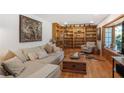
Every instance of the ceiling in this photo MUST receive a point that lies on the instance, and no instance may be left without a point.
(73, 18)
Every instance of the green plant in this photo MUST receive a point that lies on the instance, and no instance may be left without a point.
(119, 42)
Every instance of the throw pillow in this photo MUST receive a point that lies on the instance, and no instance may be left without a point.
(55, 49)
(26, 51)
(20, 55)
(32, 56)
(1, 71)
(8, 55)
(42, 54)
(14, 66)
(48, 48)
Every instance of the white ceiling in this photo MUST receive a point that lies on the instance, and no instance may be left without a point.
(73, 18)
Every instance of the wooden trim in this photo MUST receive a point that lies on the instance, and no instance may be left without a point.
(112, 51)
(113, 36)
(103, 37)
(103, 40)
(113, 31)
(99, 33)
(121, 16)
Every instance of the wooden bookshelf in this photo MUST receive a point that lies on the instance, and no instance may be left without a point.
(68, 37)
(91, 33)
(75, 35)
(58, 34)
(79, 36)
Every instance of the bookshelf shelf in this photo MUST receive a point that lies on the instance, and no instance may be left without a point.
(57, 34)
(75, 35)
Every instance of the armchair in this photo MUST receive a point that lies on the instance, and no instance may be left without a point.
(88, 48)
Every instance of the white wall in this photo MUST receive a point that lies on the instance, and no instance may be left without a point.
(9, 32)
(107, 20)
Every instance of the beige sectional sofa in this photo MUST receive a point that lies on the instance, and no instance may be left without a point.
(45, 67)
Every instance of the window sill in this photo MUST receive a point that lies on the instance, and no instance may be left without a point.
(112, 51)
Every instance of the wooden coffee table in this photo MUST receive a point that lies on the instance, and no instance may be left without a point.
(74, 65)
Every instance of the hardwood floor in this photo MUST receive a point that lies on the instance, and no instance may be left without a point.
(100, 68)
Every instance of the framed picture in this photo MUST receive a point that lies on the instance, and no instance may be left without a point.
(30, 29)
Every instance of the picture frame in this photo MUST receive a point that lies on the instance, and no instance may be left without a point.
(30, 30)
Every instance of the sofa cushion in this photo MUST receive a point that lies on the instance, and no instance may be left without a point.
(33, 56)
(42, 46)
(42, 54)
(7, 56)
(20, 55)
(2, 71)
(30, 68)
(14, 66)
(48, 48)
(59, 54)
(51, 59)
(39, 70)
(47, 71)
(55, 49)
(26, 51)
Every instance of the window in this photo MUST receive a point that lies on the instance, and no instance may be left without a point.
(118, 38)
(108, 37)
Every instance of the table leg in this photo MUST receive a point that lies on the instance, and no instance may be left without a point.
(113, 69)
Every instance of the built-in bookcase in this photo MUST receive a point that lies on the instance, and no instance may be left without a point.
(75, 35)
(68, 37)
(91, 34)
(58, 34)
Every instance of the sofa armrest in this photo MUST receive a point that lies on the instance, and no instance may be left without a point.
(61, 49)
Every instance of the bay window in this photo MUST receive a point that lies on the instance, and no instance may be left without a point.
(118, 38)
(108, 37)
